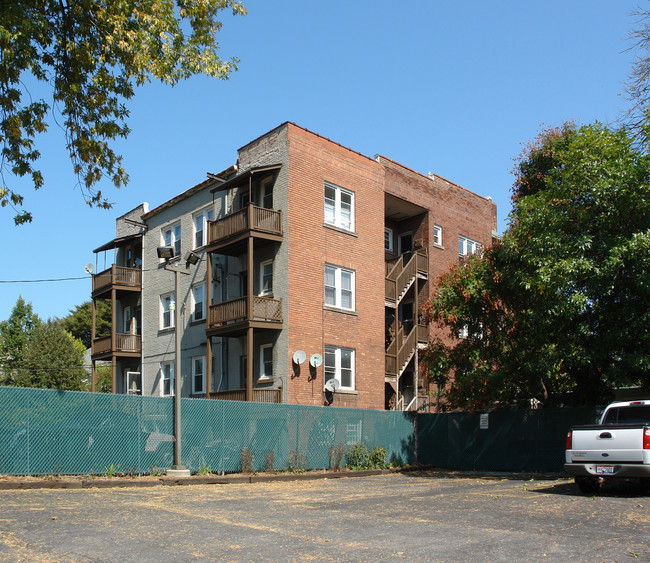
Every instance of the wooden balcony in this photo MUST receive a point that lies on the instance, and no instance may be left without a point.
(128, 345)
(259, 395)
(227, 234)
(119, 278)
(235, 316)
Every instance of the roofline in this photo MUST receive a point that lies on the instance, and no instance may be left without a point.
(285, 123)
(381, 156)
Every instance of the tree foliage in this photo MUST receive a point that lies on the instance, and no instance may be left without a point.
(559, 310)
(79, 321)
(92, 55)
(52, 359)
(14, 334)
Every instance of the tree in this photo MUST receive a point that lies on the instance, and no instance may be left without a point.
(638, 84)
(14, 334)
(92, 55)
(79, 321)
(559, 310)
(52, 359)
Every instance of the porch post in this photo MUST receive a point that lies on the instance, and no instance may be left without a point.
(251, 316)
(208, 341)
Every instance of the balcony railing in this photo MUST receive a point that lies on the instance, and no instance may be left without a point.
(259, 395)
(237, 310)
(251, 218)
(131, 343)
(118, 275)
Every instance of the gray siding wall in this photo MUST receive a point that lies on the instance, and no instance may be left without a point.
(159, 344)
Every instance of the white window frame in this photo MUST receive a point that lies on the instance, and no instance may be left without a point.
(195, 301)
(334, 208)
(388, 233)
(336, 291)
(201, 218)
(167, 373)
(171, 236)
(263, 371)
(468, 246)
(166, 300)
(266, 184)
(198, 360)
(127, 316)
(262, 266)
(437, 235)
(335, 371)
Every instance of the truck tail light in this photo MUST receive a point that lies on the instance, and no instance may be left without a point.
(569, 440)
(646, 438)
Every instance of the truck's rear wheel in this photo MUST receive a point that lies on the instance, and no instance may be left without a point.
(588, 484)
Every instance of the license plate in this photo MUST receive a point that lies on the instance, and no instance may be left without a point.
(604, 469)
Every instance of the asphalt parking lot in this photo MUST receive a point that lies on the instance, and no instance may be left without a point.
(417, 517)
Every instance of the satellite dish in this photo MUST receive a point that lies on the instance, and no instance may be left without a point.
(316, 360)
(332, 385)
(89, 268)
(299, 357)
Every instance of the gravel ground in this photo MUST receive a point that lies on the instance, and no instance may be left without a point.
(415, 516)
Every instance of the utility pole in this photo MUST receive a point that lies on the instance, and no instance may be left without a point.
(167, 252)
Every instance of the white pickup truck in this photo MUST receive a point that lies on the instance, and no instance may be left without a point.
(616, 448)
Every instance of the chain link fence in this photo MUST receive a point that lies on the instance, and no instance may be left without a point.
(46, 432)
(532, 440)
(49, 432)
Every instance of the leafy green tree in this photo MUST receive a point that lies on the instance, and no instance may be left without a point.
(79, 321)
(52, 359)
(14, 333)
(92, 55)
(559, 310)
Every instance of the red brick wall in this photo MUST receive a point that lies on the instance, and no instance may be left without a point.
(457, 210)
(314, 160)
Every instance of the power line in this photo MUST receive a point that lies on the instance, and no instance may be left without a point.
(44, 280)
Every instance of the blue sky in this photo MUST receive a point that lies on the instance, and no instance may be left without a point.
(455, 87)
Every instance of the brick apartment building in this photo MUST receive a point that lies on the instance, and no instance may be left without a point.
(310, 263)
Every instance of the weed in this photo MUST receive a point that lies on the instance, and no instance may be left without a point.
(359, 456)
(203, 470)
(396, 461)
(246, 457)
(336, 456)
(269, 458)
(356, 457)
(110, 471)
(297, 462)
(155, 471)
(377, 457)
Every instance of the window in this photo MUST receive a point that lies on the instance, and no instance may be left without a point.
(437, 235)
(339, 207)
(167, 310)
(467, 246)
(167, 379)
(339, 288)
(339, 365)
(266, 361)
(198, 300)
(267, 194)
(388, 239)
(266, 277)
(201, 227)
(128, 316)
(172, 237)
(198, 375)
